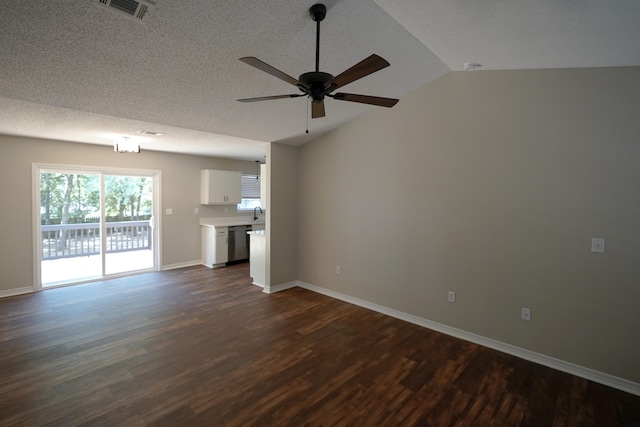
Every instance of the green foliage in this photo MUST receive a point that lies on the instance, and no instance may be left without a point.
(126, 197)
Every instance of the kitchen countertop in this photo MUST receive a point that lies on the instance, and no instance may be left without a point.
(256, 233)
(229, 221)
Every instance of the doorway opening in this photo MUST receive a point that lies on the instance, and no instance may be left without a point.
(92, 224)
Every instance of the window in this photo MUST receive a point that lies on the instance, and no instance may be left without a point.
(250, 192)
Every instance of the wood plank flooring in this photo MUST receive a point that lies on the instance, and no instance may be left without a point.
(196, 346)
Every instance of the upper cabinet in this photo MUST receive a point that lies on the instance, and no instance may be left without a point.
(220, 187)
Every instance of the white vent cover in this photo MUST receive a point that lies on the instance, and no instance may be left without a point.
(133, 8)
(150, 132)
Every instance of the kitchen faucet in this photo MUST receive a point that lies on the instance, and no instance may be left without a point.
(255, 216)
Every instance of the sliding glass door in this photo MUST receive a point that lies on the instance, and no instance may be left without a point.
(92, 224)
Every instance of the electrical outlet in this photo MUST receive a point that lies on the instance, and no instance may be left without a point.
(597, 245)
(196, 211)
(337, 269)
(452, 296)
(526, 314)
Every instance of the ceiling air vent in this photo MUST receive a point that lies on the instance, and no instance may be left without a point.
(133, 8)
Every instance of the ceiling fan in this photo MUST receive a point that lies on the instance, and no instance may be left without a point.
(316, 84)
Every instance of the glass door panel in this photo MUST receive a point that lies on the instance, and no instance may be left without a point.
(128, 239)
(69, 227)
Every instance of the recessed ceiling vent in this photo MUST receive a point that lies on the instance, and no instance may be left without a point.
(133, 8)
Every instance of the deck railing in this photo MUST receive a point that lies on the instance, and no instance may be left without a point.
(73, 240)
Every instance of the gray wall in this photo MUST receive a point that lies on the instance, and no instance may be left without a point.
(282, 214)
(490, 184)
(180, 191)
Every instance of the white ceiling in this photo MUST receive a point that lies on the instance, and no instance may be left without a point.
(78, 71)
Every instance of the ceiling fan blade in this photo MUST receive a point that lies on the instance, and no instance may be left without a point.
(263, 66)
(361, 69)
(317, 109)
(365, 99)
(266, 98)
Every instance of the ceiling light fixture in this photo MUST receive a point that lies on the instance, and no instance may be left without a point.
(126, 146)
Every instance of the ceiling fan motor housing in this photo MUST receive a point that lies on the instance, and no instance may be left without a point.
(313, 84)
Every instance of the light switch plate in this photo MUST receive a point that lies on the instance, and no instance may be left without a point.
(597, 245)
(169, 211)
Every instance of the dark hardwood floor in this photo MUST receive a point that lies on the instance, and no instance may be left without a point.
(196, 346)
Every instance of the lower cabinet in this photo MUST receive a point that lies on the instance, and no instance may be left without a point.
(257, 259)
(214, 246)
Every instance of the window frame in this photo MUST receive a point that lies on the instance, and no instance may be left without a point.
(249, 203)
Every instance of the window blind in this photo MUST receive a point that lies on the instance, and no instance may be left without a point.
(250, 187)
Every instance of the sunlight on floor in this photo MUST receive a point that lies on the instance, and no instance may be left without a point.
(64, 270)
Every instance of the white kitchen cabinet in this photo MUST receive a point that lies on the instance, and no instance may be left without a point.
(220, 187)
(257, 258)
(214, 246)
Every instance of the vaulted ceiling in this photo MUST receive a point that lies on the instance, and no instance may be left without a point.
(79, 71)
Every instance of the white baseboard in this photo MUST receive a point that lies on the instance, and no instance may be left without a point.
(14, 292)
(551, 362)
(181, 265)
(281, 287)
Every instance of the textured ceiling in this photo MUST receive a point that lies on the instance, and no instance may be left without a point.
(78, 71)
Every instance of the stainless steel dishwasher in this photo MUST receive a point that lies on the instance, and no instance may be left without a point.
(239, 243)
